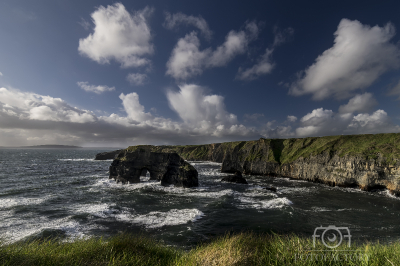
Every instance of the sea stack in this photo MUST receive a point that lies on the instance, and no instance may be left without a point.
(167, 167)
(236, 178)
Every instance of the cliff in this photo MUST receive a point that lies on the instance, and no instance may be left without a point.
(366, 161)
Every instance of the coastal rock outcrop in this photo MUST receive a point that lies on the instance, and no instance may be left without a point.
(236, 178)
(107, 155)
(365, 161)
(270, 188)
(164, 166)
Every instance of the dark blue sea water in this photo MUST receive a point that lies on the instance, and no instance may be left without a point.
(64, 192)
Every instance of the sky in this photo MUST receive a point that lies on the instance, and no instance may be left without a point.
(113, 74)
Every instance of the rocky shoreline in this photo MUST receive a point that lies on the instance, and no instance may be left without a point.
(365, 161)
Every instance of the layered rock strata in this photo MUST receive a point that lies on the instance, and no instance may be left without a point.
(167, 167)
(365, 161)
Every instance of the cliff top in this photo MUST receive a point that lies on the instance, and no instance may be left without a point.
(367, 146)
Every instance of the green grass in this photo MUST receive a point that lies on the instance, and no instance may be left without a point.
(237, 249)
(383, 147)
(365, 146)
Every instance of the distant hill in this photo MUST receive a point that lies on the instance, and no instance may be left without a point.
(44, 147)
(52, 147)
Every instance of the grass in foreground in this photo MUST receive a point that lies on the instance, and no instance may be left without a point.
(240, 249)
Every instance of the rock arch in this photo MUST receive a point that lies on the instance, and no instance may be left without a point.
(167, 167)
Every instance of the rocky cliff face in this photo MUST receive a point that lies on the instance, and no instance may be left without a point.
(167, 167)
(366, 161)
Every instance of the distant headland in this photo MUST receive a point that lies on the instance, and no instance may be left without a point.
(48, 146)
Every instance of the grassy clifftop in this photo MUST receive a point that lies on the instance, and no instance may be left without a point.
(364, 146)
(368, 147)
(288, 150)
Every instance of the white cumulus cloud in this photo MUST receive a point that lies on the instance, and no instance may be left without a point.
(291, 118)
(359, 103)
(136, 78)
(119, 35)
(377, 122)
(322, 122)
(174, 20)
(93, 88)
(187, 60)
(195, 107)
(133, 107)
(204, 113)
(360, 54)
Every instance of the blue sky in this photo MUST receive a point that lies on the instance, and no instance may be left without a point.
(102, 73)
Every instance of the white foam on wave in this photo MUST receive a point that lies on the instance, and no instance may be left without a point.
(155, 186)
(386, 193)
(83, 159)
(347, 189)
(204, 163)
(103, 210)
(297, 190)
(320, 209)
(211, 172)
(14, 229)
(111, 184)
(152, 219)
(324, 209)
(293, 180)
(6, 203)
(211, 194)
(247, 200)
(157, 219)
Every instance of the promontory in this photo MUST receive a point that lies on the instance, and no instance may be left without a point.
(366, 161)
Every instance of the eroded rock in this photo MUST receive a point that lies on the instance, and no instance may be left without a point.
(270, 188)
(167, 167)
(236, 178)
(107, 155)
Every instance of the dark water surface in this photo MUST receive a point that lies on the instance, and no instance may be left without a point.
(66, 193)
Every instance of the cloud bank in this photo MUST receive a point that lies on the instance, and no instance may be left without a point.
(29, 119)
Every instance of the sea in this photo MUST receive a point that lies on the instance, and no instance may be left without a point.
(65, 193)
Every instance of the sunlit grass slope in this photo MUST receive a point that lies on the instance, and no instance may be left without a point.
(239, 249)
